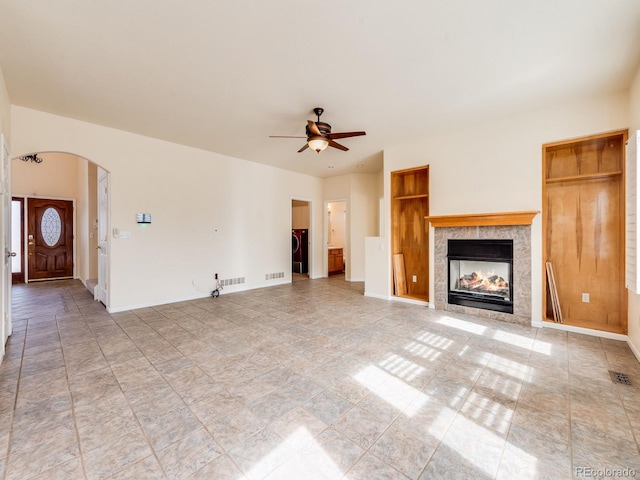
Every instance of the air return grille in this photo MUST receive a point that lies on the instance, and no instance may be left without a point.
(617, 377)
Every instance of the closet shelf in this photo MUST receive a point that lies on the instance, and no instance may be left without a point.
(589, 176)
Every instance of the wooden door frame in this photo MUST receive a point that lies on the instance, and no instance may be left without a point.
(622, 206)
(73, 243)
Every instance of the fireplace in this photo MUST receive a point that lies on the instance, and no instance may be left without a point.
(480, 273)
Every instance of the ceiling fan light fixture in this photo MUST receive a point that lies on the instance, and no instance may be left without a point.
(318, 143)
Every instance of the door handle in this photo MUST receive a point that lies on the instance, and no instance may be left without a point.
(11, 254)
(98, 247)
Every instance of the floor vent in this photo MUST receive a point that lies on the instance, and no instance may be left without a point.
(232, 281)
(617, 377)
(271, 276)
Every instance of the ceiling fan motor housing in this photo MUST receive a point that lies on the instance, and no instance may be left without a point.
(324, 128)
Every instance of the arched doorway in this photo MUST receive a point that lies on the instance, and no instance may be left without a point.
(55, 178)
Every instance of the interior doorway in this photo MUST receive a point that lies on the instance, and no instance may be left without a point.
(336, 237)
(300, 239)
(64, 176)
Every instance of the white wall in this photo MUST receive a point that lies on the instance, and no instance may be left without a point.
(361, 194)
(86, 214)
(497, 166)
(56, 177)
(363, 220)
(188, 192)
(5, 109)
(634, 300)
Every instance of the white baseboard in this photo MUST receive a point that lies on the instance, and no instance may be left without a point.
(633, 348)
(411, 301)
(199, 295)
(584, 331)
(376, 295)
(156, 304)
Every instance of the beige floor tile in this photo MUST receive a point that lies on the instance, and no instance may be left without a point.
(370, 466)
(222, 468)
(308, 380)
(189, 454)
(116, 456)
(406, 450)
(260, 454)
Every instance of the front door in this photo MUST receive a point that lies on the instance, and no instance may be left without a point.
(50, 239)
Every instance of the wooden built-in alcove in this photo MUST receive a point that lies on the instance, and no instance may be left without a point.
(584, 230)
(410, 230)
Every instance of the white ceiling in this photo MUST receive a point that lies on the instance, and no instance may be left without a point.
(224, 75)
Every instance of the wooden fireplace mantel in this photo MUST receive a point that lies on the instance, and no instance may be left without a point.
(483, 219)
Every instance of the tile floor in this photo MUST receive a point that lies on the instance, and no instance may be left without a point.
(310, 380)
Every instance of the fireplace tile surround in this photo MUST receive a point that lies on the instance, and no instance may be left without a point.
(521, 236)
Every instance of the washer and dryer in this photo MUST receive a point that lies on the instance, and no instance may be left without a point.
(300, 250)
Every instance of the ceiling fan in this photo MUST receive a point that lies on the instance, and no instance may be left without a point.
(319, 135)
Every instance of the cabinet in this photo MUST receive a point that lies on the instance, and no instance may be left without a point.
(336, 263)
(583, 230)
(410, 230)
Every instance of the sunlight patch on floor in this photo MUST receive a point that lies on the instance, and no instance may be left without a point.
(509, 367)
(391, 389)
(462, 325)
(481, 447)
(285, 463)
(487, 412)
(401, 367)
(434, 340)
(423, 351)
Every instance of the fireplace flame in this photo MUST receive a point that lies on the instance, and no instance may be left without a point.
(480, 282)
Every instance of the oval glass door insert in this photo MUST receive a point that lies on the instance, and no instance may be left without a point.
(51, 226)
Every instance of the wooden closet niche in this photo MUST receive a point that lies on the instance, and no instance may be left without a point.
(583, 219)
(410, 230)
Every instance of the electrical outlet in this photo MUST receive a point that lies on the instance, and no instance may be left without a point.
(585, 297)
(415, 278)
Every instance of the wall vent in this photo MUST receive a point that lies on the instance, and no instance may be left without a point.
(231, 281)
(271, 276)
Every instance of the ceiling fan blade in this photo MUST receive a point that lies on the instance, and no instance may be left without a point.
(284, 136)
(337, 145)
(313, 128)
(306, 145)
(345, 134)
